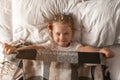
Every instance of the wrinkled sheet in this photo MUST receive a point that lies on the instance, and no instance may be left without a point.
(5, 24)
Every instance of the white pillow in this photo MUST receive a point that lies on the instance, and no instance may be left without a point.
(101, 21)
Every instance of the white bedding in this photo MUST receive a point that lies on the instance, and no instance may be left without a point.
(5, 21)
(5, 24)
(27, 20)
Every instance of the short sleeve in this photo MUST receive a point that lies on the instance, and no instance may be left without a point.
(78, 45)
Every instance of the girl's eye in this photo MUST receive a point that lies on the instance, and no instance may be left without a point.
(58, 34)
(66, 33)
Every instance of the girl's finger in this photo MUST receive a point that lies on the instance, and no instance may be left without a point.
(8, 51)
(5, 50)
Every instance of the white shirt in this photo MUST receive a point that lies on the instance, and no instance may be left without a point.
(72, 47)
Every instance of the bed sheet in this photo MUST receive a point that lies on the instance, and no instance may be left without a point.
(113, 63)
(5, 24)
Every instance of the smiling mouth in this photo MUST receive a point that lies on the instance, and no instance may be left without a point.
(63, 41)
(65, 44)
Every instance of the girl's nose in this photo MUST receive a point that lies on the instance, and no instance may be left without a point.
(62, 37)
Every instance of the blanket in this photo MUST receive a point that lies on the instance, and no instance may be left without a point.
(42, 70)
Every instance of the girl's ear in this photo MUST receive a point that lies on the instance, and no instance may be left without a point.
(49, 27)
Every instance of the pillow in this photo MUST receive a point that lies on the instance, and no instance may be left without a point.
(101, 21)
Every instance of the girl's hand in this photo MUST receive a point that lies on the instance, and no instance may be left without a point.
(8, 49)
(108, 53)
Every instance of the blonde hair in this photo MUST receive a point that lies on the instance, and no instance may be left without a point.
(63, 19)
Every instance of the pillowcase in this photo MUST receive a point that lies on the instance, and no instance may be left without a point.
(101, 22)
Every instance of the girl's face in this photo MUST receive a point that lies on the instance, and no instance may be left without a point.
(62, 34)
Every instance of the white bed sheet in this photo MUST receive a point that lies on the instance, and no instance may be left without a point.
(5, 21)
(114, 63)
(5, 24)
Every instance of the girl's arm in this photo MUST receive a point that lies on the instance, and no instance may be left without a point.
(8, 49)
(108, 53)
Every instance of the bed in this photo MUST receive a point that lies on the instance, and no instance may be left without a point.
(97, 23)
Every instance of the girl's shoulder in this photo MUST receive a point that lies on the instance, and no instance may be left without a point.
(75, 44)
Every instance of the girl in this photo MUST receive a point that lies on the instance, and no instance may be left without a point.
(61, 30)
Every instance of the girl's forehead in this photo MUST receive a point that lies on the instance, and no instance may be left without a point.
(61, 28)
(58, 24)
